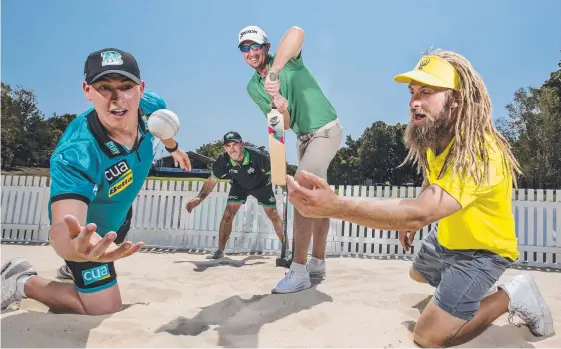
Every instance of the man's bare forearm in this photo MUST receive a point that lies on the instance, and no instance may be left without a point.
(62, 243)
(208, 185)
(289, 47)
(169, 143)
(391, 214)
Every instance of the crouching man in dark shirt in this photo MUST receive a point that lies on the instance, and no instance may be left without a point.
(249, 171)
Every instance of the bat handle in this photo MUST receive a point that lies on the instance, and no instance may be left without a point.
(273, 77)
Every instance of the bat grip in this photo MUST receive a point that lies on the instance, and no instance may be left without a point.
(273, 77)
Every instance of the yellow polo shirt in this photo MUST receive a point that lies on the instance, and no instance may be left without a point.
(485, 220)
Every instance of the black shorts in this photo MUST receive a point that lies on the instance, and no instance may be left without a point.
(264, 195)
(92, 277)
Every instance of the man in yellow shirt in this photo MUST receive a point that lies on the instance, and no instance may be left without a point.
(469, 173)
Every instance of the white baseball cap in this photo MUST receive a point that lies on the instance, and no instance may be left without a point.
(253, 33)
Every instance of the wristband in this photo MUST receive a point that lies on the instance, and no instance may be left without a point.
(171, 150)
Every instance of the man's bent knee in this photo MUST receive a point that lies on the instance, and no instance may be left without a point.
(435, 327)
(107, 301)
(415, 275)
(104, 310)
(427, 341)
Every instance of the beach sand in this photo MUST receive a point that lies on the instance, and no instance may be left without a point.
(183, 300)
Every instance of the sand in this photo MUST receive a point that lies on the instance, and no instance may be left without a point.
(183, 300)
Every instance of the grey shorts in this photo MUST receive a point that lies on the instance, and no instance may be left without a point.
(462, 277)
(316, 151)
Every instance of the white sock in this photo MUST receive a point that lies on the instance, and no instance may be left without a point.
(316, 261)
(298, 268)
(20, 284)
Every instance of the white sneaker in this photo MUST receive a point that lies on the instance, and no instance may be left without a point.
(528, 304)
(296, 279)
(316, 267)
(216, 255)
(12, 270)
(64, 272)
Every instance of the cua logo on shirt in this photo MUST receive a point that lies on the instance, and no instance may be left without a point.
(95, 274)
(119, 177)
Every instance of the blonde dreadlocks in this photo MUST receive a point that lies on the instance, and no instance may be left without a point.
(473, 124)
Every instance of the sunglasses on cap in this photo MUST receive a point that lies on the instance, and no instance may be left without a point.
(252, 47)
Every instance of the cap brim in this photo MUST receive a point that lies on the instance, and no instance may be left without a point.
(252, 39)
(120, 72)
(421, 77)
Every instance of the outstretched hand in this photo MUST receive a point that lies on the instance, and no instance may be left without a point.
(181, 159)
(95, 248)
(318, 202)
(194, 202)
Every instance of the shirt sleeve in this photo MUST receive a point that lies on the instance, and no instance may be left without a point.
(261, 102)
(218, 168)
(266, 164)
(295, 64)
(74, 173)
(151, 102)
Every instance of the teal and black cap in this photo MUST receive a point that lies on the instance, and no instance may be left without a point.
(110, 60)
(232, 136)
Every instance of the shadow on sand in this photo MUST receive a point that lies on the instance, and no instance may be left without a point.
(33, 329)
(238, 321)
(201, 266)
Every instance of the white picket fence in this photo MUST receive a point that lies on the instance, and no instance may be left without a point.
(161, 220)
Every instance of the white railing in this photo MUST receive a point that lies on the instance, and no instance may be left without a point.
(161, 220)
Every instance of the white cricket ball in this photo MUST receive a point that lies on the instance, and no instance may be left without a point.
(163, 123)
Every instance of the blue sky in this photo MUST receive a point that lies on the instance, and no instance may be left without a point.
(187, 52)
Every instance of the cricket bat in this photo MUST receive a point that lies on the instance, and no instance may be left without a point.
(277, 152)
(277, 149)
(284, 226)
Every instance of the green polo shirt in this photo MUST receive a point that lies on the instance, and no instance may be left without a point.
(308, 106)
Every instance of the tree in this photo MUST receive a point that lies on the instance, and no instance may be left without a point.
(10, 126)
(533, 128)
(373, 158)
(23, 118)
(211, 150)
(28, 138)
(344, 168)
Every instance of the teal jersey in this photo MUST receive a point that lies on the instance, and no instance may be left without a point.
(87, 165)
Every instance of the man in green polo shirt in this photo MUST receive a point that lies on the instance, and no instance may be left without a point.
(307, 112)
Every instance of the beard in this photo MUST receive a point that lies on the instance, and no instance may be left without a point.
(427, 134)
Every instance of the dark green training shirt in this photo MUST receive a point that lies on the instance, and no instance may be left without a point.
(253, 172)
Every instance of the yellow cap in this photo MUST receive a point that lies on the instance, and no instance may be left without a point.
(433, 71)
